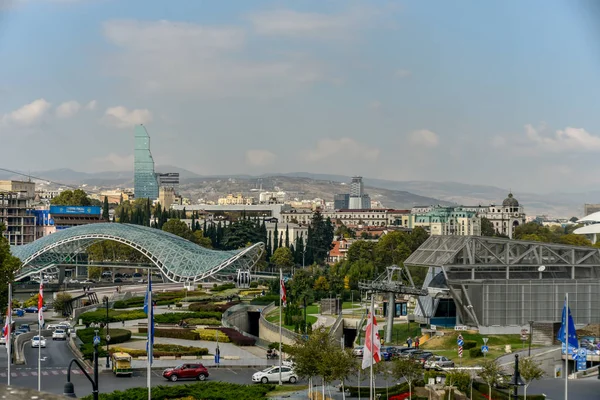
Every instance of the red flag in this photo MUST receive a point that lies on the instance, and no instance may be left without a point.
(283, 296)
(40, 305)
(6, 323)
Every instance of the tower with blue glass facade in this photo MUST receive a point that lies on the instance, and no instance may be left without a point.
(144, 179)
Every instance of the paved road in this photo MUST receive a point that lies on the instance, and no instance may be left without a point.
(56, 354)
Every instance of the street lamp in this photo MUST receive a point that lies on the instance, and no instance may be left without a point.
(69, 388)
(105, 301)
(530, 337)
(516, 380)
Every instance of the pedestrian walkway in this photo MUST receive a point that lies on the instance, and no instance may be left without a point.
(25, 372)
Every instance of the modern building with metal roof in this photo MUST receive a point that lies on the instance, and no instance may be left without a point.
(498, 284)
(178, 259)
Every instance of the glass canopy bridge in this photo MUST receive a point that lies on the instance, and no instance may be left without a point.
(177, 259)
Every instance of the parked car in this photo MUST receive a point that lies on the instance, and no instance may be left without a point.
(32, 309)
(20, 332)
(186, 371)
(118, 280)
(59, 334)
(25, 327)
(2, 339)
(271, 374)
(437, 362)
(421, 356)
(358, 351)
(18, 312)
(38, 341)
(388, 353)
(137, 275)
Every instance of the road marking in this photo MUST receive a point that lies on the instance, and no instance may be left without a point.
(3, 374)
(75, 371)
(64, 371)
(14, 374)
(33, 373)
(232, 371)
(157, 373)
(54, 372)
(45, 373)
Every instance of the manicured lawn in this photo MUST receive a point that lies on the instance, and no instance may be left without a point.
(286, 389)
(400, 333)
(347, 305)
(274, 318)
(312, 309)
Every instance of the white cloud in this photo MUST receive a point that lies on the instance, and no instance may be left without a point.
(29, 114)
(68, 109)
(569, 139)
(402, 73)
(297, 24)
(91, 105)
(424, 137)
(260, 158)
(121, 117)
(347, 148)
(176, 57)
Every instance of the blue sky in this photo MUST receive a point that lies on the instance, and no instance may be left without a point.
(502, 93)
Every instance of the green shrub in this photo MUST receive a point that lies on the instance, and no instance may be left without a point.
(175, 333)
(161, 350)
(116, 335)
(265, 300)
(254, 285)
(174, 318)
(469, 344)
(113, 316)
(212, 306)
(475, 352)
(178, 305)
(214, 390)
(203, 321)
(120, 304)
(225, 286)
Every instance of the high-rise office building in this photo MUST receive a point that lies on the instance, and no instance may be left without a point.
(169, 180)
(144, 178)
(341, 201)
(356, 194)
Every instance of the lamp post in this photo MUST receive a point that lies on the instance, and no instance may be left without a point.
(105, 301)
(516, 380)
(530, 337)
(69, 388)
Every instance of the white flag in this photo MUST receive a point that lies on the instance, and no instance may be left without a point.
(371, 355)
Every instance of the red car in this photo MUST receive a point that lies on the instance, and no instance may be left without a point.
(186, 371)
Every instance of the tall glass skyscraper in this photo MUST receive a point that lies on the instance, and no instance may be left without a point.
(144, 179)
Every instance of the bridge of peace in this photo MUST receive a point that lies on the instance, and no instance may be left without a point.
(177, 259)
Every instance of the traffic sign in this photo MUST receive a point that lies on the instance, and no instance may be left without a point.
(485, 340)
(460, 337)
(581, 359)
(96, 340)
(460, 342)
(484, 349)
(108, 338)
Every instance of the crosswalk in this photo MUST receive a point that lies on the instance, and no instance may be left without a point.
(20, 372)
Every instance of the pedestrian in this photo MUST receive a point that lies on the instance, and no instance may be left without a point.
(416, 343)
(123, 322)
(409, 342)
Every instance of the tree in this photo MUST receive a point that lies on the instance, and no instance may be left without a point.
(287, 236)
(76, 197)
(417, 238)
(321, 284)
(179, 228)
(60, 302)
(201, 240)
(490, 373)
(94, 273)
(408, 369)
(487, 227)
(9, 265)
(282, 258)
(237, 235)
(460, 379)
(105, 213)
(530, 371)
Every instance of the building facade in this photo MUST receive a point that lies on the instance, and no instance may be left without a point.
(27, 188)
(169, 180)
(238, 199)
(144, 177)
(341, 201)
(590, 209)
(294, 231)
(505, 218)
(449, 221)
(15, 216)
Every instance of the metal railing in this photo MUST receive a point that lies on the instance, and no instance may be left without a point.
(339, 323)
(274, 327)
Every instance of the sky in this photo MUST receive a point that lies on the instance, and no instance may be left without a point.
(503, 93)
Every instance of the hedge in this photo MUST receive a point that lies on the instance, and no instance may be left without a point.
(475, 352)
(116, 335)
(203, 321)
(113, 316)
(176, 317)
(498, 395)
(225, 286)
(469, 344)
(203, 390)
(188, 334)
(160, 350)
(212, 306)
(265, 300)
(236, 337)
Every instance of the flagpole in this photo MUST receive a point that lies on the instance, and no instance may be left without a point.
(371, 388)
(8, 337)
(150, 330)
(566, 346)
(40, 337)
(280, 321)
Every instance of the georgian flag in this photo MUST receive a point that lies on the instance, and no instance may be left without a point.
(371, 355)
(40, 305)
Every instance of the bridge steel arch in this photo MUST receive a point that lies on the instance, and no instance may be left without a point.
(178, 259)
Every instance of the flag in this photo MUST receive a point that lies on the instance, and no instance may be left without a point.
(572, 339)
(283, 295)
(6, 324)
(371, 355)
(149, 310)
(40, 305)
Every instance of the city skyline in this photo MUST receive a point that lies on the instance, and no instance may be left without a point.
(397, 91)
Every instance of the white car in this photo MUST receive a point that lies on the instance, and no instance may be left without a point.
(2, 339)
(271, 374)
(59, 334)
(38, 341)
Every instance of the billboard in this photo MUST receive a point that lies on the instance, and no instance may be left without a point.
(89, 210)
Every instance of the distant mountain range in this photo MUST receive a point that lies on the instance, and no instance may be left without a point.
(396, 194)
